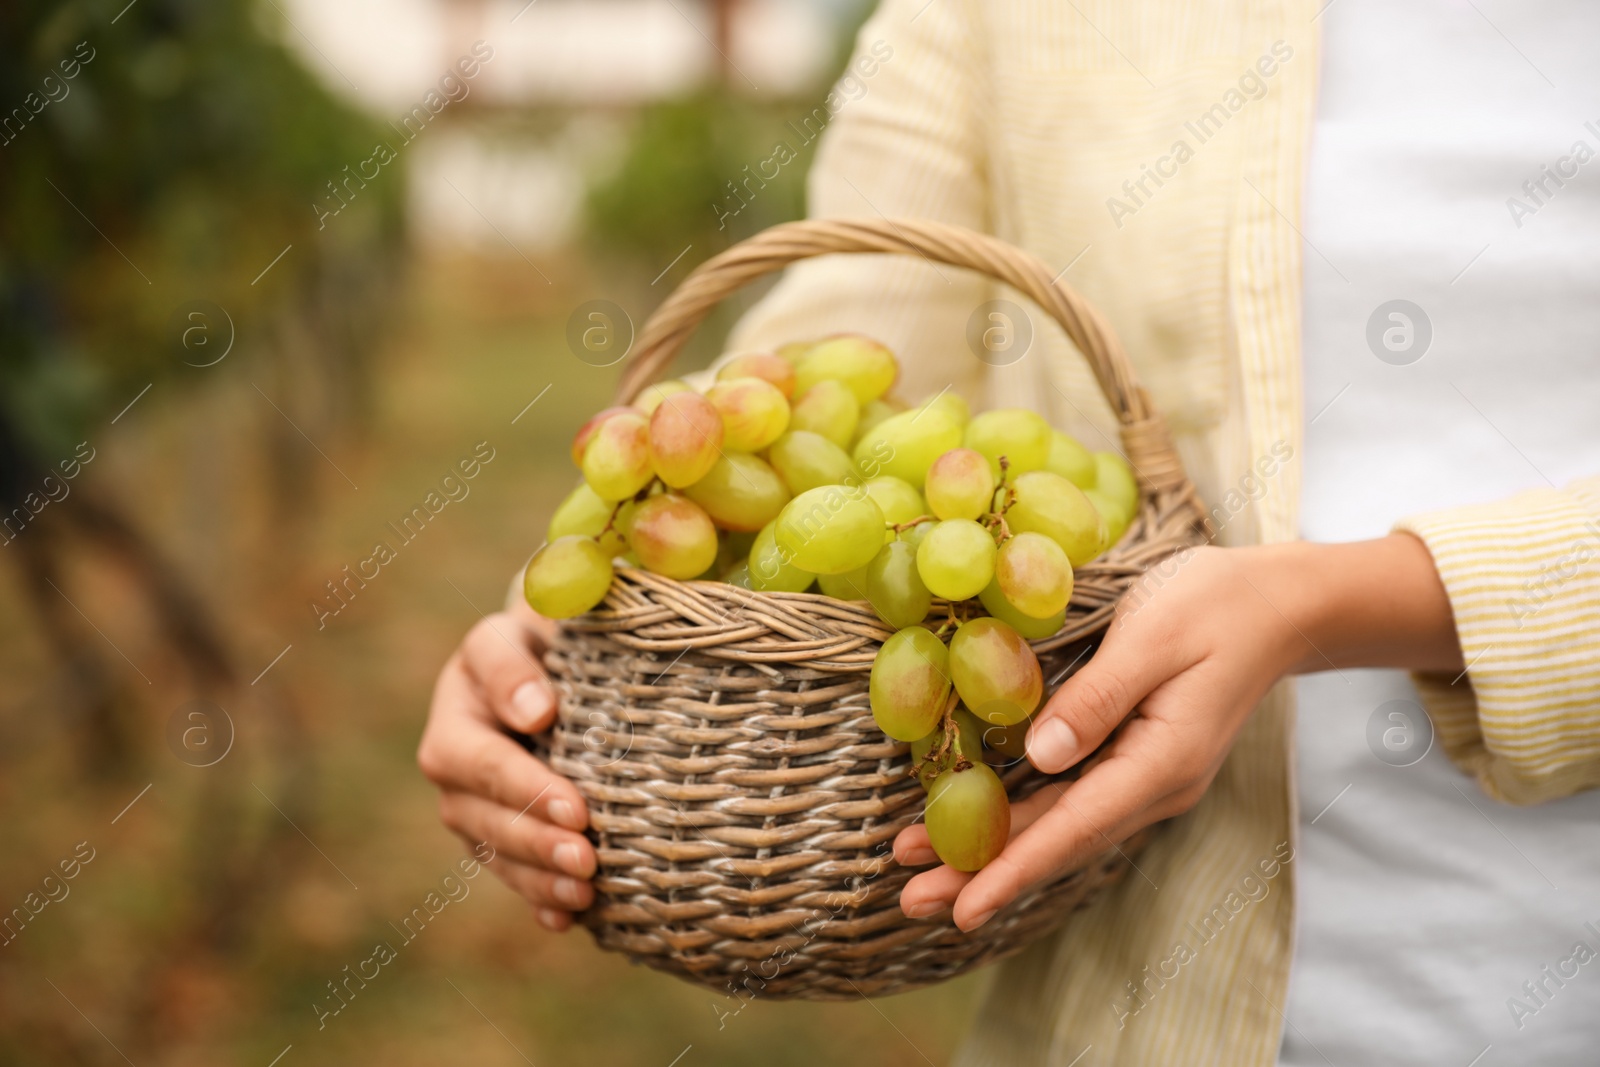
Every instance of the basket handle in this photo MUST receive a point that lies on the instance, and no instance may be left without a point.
(1144, 434)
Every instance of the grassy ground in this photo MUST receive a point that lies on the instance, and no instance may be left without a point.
(117, 967)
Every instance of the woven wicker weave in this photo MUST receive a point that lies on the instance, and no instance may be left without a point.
(743, 802)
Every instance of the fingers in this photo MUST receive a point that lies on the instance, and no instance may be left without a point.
(462, 750)
(554, 896)
(1093, 702)
(521, 838)
(501, 654)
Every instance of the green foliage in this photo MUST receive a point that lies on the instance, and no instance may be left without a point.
(183, 156)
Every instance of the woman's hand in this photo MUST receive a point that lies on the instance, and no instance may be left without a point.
(1193, 648)
(491, 788)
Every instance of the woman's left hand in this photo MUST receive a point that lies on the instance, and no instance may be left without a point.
(1193, 648)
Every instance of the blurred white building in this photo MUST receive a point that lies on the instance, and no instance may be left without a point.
(472, 183)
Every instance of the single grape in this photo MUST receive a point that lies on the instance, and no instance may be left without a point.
(1117, 521)
(872, 413)
(581, 439)
(1010, 741)
(995, 671)
(831, 529)
(905, 445)
(673, 536)
(894, 587)
(1071, 460)
(567, 577)
(910, 684)
(956, 559)
(585, 514)
(1049, 504)
(765, 365)
(1034, 574)
(968, 817)
(851, 585)
(1115, 479)
(685, 439)
(754, 413)
(807, 460)
(967, 744)
(828, 408)
(996, 604)
(960, 484)
(951, 403)
(616, 462)
(651, 396)
(896, 499)
(866, 366)
(740, 492)
(770, 569)
(1022, 436)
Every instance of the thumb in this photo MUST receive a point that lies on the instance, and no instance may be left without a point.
(1094, 701)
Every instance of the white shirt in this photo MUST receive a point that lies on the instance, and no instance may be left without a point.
(1424, 906)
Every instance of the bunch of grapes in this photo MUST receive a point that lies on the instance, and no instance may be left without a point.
(796, 471)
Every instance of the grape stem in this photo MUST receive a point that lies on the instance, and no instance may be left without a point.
(948, 726)
(900, 527)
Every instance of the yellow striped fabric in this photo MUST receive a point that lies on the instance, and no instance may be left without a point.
(1155, 151)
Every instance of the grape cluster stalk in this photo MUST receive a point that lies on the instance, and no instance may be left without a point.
(798, 471)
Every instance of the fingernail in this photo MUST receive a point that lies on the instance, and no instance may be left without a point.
(565, 813)
(569, 892)
(569, 858)
(529, 702)
(548, 918)
(1051, 745)
(922, 911)
(917, 857)
(980, 920)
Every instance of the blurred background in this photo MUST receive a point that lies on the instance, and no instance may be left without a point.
(269, 269)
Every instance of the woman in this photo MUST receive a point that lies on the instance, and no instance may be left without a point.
(1158, 152)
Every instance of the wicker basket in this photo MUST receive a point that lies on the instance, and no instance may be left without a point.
(743, 802)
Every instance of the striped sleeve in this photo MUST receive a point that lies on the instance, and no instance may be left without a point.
(1523, 577)
(903, 141)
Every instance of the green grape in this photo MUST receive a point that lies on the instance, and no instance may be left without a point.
(910, 684)
(1049, 504)
(828, 408)
(567, 577)
(960, 484)
(872, 413)
(740, 492)
(1115, 479)
(951, 403)
(851, 585)
(967, 744)
(968, 817)
(896, 499)
(673, 536)
(1071, 460)
(905, 445)
(1034, 575)
(754, 413)
(685, 438)
(996, 604)
(807, 460)
(1010, 741)
(585, 514)
(770, 569)
(865, 366)
(894, 587)
(1022, 436)
(915, 534)
(651, 396)
(616, 461)
(764, 365)
(739, 575)
(830, 530)
(995, 671)
(956, 559)
(581, 439)
(1117, 521)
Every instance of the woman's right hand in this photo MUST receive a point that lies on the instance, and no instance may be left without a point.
(491, 789)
